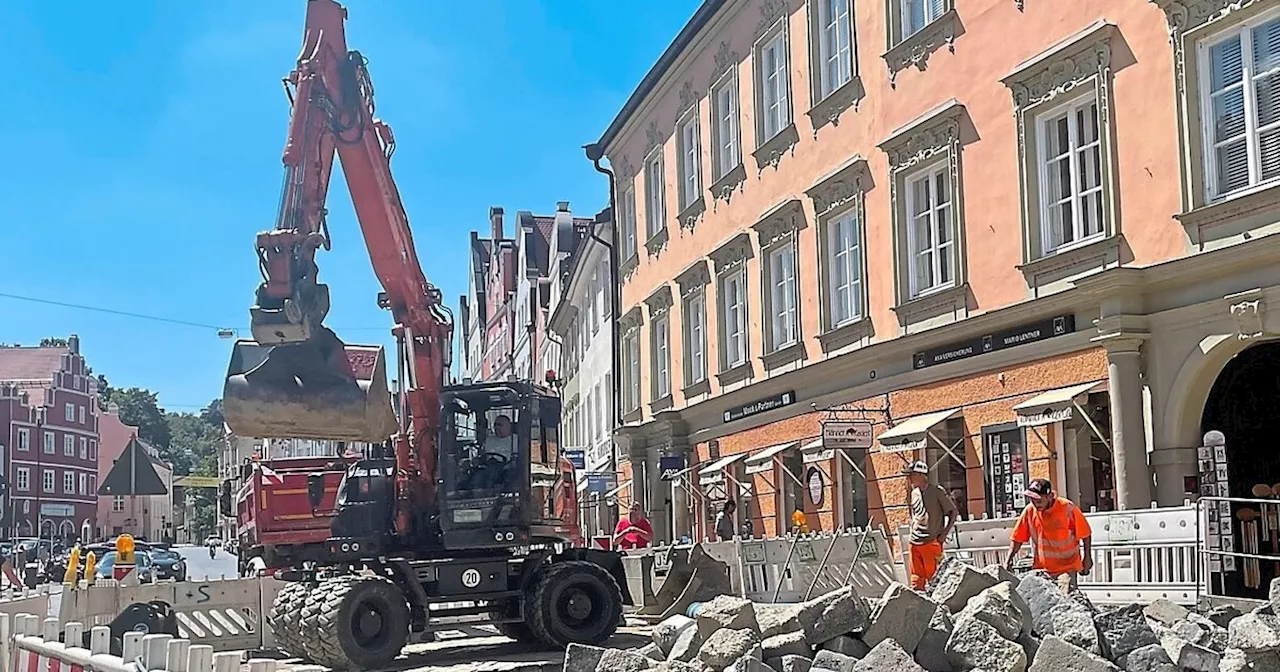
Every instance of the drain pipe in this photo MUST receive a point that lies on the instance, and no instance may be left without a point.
(595, 153)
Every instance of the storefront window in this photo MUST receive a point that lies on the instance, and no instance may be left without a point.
(950, 468)
(853, 487)
(1099, 408)
(1005, 475)
(794, 494)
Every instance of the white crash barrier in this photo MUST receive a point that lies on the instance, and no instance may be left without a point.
(30, 643)
(1140, 555)
(25, 601)
(228, 615)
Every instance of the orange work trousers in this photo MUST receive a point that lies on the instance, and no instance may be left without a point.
(924, 563)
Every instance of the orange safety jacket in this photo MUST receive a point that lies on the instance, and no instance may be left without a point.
(1055, 535)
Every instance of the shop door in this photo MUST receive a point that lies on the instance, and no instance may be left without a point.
(1005, 457)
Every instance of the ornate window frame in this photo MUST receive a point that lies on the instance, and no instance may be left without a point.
(731, 259)
(692, 114)
(841, 192)
(1075, 69)
(1209, 225)
(629, 325)
(659, 304)
(655, 241)
(693, 282)
(725, 75)
(915, 49)
(775, 18)
(827, 109)
(777, 228)
(625, 176)
(925, 143)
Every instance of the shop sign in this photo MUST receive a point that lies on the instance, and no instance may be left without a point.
(905, 446)
(1047, 416)
(1000, 340)
(1214, 482)
(759, 467)
(855, 434)
(760, 406)
(815, 456)
(601, 482)
(577, 457)
(58, 510)
(670, 465)
(816, 482)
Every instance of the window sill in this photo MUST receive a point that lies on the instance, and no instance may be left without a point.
(634, 415)
(657, 242)
(917, 48)
(696, 389)
(725, 186)
(1071, 263)
(771, 151)
(845, 334)
(783, 356)
(628, 266)
(1201, 221)
(735, 374)
(829, 109)
(953, 300)
(661, 403)
(689, 216)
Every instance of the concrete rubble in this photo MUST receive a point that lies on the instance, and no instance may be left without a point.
(968, 620)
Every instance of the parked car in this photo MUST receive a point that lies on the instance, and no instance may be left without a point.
(145, 568)
(168, 564)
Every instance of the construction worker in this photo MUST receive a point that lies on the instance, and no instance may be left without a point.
(933, 515)
(1059, 533)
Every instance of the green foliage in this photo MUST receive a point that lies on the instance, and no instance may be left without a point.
(140, 408)
(50, 342)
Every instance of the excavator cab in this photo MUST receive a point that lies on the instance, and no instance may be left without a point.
(317, 389)
(499, 459)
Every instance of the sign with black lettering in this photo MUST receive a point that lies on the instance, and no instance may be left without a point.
(1001, 340)
(760, 406)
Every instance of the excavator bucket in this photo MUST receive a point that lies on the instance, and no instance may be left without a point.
(303, 391)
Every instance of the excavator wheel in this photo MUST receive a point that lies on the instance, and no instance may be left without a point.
(518, 631)
(355, 623)
(285, 618)
(574, 602)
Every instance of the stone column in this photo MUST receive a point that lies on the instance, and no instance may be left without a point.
(1128, 430)
(1171, 466)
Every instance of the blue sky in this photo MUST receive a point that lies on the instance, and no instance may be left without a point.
(141, 153)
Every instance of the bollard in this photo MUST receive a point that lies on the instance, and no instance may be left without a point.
(6, 637)
(262, 665)
(100, 640)
(200, 658)
(176, 660)
(226, 662)
(155, 651)
(74, 635)
(49, 632)
(132, 646)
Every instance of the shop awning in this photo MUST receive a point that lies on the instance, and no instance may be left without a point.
(707, 473)
(1054, 405)
(814, 452)
(913, 432)
(763, 460)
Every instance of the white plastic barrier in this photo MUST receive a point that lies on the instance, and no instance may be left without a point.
(25, 601)
(30, 644)
(1140, 555)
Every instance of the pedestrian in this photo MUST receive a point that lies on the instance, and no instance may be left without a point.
(933, 515)
(1059, 534)
(634, 531)
(726, 526)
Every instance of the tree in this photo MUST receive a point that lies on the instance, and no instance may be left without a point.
(140, 408)
(194, 444)
(52, 342)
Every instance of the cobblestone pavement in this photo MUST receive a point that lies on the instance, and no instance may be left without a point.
(482, 654)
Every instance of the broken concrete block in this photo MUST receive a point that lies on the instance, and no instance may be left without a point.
(931, 651)
(619, 660)
(1074, 624)
(830, 661)
(724, 647)
(975, 645)
(1000, 607)
(790, 664)
(582, 658)
(1166, 613)
(1222, 615)
(1041, 595)
(1215, 636)
(775, 619)
(786, 644)
(1274, 595)
(1254, 633)
(652, 652)
(837, 613)
(1059, 655)
(676, 666)
(1124, 630)
(849, 646)
(727, 612)
(748, 664)
(1235, 660)
(1190, 631)
(1149, 658)
(959, 585)
(669, 630)
(1001, 574)
(1189, 656)
(887, 656)
(903, 615)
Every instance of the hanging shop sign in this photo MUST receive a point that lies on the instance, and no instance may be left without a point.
(670, 466)
(815, 482)
(1214, 482)
(821, 454)
(577, 457)
(601, 482)
(760, 406)
(1047, 416)
(853, 434)
(1000, 340)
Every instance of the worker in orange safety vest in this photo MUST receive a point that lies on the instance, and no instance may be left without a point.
(1059, 533)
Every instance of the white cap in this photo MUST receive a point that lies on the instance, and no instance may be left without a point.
(917, 467)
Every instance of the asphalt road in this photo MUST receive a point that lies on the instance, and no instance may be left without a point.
(200, 567)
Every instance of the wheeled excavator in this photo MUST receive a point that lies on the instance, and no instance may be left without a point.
(466, 507)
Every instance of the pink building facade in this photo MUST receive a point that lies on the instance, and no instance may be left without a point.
(144, 516)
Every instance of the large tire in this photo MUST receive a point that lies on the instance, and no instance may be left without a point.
(574, 602)
(518, 631)
(355, 623)
(285, 618)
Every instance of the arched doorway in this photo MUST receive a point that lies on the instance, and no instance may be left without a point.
(1244, 404)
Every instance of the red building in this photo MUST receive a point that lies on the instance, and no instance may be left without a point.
(49, 440)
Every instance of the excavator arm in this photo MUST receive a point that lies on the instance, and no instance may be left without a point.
(296, 378)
